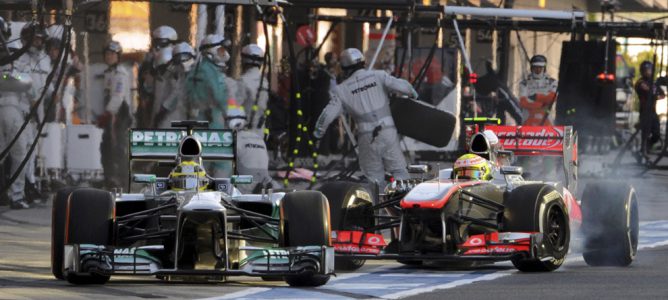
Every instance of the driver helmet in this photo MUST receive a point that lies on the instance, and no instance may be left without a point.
(472, 166)
(188, 176)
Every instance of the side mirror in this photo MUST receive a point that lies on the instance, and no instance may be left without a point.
(241, 179)
(505, 156)
(144, 178)
(511, 170)
(445, 173)
(418, 169)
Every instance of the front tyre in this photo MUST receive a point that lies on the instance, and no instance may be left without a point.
(304, 222)
(539, 208)
(89, 220)
(58, 215)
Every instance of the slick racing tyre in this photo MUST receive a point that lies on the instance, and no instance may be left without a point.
(539, 208)
(610, 224)
(58, 214)
(350, 209)
(88, 220)
(304, 221)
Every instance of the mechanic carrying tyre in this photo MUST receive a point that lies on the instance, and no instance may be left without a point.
(364, 94)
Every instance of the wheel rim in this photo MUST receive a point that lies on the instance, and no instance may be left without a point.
(634, 227)
(556, 228)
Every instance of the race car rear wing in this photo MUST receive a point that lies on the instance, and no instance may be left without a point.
(559, 141)
(537, 140)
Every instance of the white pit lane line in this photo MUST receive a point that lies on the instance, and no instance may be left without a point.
(396, 282)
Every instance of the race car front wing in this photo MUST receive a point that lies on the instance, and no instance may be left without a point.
(494, 246)
(86, 259)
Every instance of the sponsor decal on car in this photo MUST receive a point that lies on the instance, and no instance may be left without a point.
(164, 143)
(172, 137)
(531, 137)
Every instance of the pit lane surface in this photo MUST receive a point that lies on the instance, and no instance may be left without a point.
(25, 273)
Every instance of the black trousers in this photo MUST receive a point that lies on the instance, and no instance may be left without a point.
(114, 149)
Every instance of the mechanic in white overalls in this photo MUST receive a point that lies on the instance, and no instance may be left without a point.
(364, 94)
(38, 64)
(252, 57)
(173, 107)
(163, 82)
(538, 91)
(252, 155)
(16, 88)
(116, 118)
(161, 37)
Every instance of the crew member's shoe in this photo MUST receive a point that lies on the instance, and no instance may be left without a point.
(32, 193)
(19, 204)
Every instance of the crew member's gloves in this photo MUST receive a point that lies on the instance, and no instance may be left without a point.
(317, 134)
(414, 94)
(104, 119)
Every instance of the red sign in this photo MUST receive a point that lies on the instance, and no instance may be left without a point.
(305, 36)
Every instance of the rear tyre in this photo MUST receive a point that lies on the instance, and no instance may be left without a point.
(90, 221)
(610, 224)
(350, 209)
(58, 214)
(304, 222)
(539, 208)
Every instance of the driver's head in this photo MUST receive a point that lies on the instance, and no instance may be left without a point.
(188, 176)
(473, 167)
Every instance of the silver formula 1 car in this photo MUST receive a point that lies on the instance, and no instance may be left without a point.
(189, 226)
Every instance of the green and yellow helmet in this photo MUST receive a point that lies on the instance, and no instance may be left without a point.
(188, 175)
(472, 166)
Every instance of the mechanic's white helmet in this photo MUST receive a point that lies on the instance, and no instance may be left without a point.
(183, 51)
(351, 57)
(184, 54)
(163, 57)
(211, 47)
(163, 36)
(114, 46)
(252, 54)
